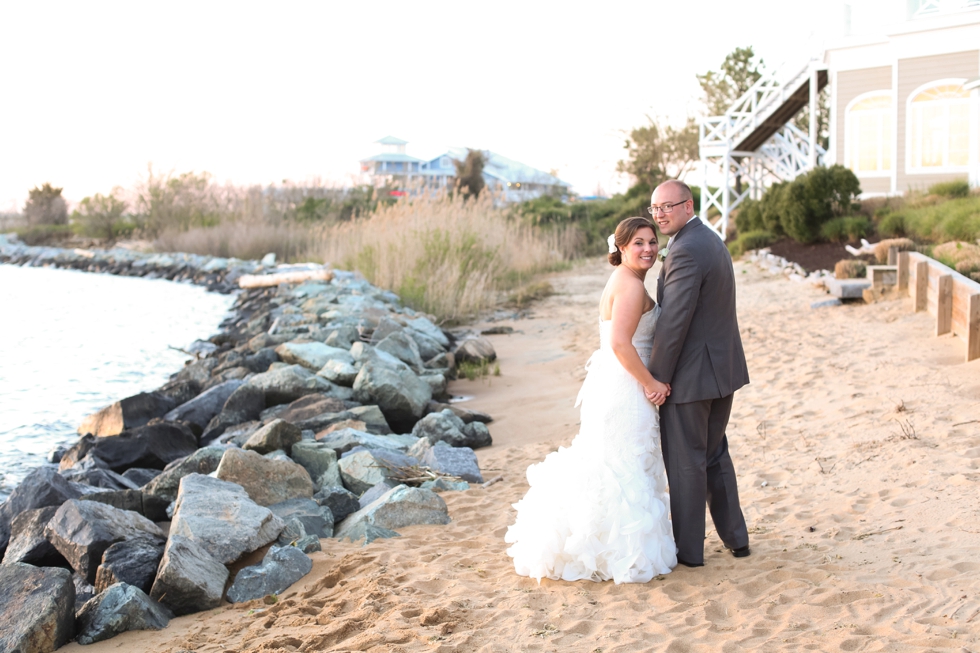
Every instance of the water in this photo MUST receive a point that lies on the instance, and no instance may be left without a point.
(73, 342)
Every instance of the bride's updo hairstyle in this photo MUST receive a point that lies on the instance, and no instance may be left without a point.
(625, 231)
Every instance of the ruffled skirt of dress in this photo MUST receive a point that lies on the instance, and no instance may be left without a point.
(598, 510)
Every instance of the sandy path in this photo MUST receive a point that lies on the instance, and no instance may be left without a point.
(865, 537)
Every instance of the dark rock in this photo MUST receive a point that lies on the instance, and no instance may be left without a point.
(122, 499)
(343, 337)
(465, 414)
(221, 518)
(41, 488)
(119, 609)
(399, 507)
(447, 427)
(398, 392)
(266, 481)
(475, 350)
(55, 454)
(100, 478)
(310, 407)
(128, 413)
(260, 361)
(286, 384)
(199, 410)
(319, 459)
(141, 476)
(341, 501)
(374, 493)
(28, 542)
(198, 371)
(339, 372)
(180, 391)
(316, 519)
(83, 530)
(203, 461)
(245, 404)
(281, 567)
(152, 446)
(37, 608)
(426, 327)
(133, 561)
(366, 468)
(373, 419)
(189, 579)
(308, 544)
(429, 348)
(454, 461)
(402, 347)
(276, 435)
(84, 590)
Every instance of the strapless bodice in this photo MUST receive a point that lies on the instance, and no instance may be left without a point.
(642, 337)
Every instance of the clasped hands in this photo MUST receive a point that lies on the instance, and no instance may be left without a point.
(657, 393)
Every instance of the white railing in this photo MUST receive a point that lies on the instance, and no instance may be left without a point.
(932, 7)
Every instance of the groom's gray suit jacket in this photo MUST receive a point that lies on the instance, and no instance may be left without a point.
(697, 348)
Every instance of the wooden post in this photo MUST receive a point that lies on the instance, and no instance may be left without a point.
(944, 305)
(973, 328)
(892, 256)
(921, 289)
(903, 271)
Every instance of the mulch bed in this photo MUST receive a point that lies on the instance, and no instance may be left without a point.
(818, 256)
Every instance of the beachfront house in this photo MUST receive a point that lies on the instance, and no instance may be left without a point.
(511, 180)
(904, 99)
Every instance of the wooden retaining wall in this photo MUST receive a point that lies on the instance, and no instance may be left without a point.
(952, 298)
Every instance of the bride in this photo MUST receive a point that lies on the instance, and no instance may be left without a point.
(598, 510)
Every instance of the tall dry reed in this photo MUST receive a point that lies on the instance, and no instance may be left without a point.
(246, 239)
(444, 255)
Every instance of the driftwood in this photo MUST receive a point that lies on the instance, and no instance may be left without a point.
(414, 475)
(268, 280)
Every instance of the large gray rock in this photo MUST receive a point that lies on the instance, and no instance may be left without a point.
(319, 459)
(83, 590)
(83, 530)
(199, 410)
(340, 500)
(339, 372)
(426, 327)
(41, 488)
(363, 469)
(246, 403)
(286, 384)
(465, 414)
(266, 481)
(133, 562)
(343, 440)
(202, 461)
(180, 391)
(475, 350)
(281, 567)
(126, 414)
(399, 507)
(398, 392)
(122, 499)
(37, 608)
(402, 347)
(375, 493)
(374, 420)
(312, 355)
(118, 609)
(445, 426)
(307, 408)
(277, 434)
(189, 579)
(343, 337)
(316, 519)
(152, 446)
(454, 461)
(140, 476)
(221, 518)
(28, 542)
(97, 476)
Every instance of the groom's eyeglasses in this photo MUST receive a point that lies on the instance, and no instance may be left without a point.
(666, 208)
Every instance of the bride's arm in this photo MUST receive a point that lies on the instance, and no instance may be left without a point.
(626, 311)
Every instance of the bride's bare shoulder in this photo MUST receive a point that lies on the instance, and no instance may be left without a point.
(620, 285)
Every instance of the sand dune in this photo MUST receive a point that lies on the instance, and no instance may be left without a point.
(858, 452)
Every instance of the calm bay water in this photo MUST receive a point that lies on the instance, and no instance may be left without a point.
(73, 342)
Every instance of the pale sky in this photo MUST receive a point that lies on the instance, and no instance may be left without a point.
(261, 92)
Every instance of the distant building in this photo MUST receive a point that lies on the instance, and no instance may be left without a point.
(905, 109)
(514, 181)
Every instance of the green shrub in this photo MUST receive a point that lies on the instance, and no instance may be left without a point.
(44, 234)
(893, 225)
(850, 269)
(814, 198)
(99, 216)
(749, 240)
(951, 189)
(749, 217)
(848, 229)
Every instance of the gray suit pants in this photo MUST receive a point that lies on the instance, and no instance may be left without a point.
(700, 471)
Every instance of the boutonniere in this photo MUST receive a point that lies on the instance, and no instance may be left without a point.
(664, 252)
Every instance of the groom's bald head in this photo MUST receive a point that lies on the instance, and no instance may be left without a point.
(672, 205)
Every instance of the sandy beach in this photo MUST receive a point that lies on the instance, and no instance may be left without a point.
(857, 447)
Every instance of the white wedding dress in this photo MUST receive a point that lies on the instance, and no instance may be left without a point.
(598, 510)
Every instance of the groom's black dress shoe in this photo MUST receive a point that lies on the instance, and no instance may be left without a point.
(741, 552)
(689, 564)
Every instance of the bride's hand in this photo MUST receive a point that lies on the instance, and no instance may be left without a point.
(657, 392)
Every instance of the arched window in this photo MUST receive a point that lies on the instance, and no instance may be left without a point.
(868, 133)
(939, 127)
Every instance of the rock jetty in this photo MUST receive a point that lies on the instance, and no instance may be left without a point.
(295, 424)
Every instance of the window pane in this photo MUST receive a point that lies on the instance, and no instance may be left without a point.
(959, 134)
(867, 129)
(933, 134)
(886, 140)
(916, 139)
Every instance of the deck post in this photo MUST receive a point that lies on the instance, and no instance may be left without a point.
(921, 288)
(944, 305)
(973, 328)
(903, 271)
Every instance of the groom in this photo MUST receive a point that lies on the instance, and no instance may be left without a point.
(698, 351)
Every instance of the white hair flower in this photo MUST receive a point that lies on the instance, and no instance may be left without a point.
(612, 243)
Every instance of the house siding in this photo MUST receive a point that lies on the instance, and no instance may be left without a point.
(913, 73)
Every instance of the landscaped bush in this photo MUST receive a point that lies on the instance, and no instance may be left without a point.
(957, 219)
(44, 234)
(952, 189)
(850, 269)
(881, 248)
(849, 229)
(963, 257)
(892, 225)
(749, 240)
(814, 198)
